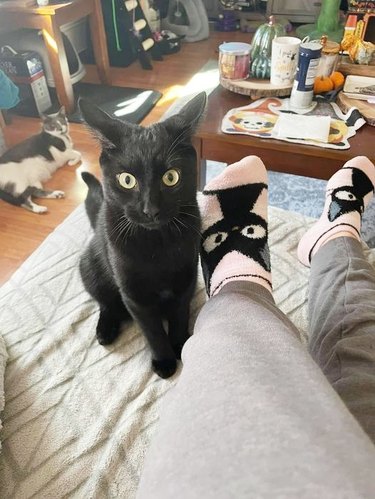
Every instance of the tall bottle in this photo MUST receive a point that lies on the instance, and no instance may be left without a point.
(308, 62)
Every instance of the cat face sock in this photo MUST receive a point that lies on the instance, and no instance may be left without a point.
(234, 221)
(348, 193)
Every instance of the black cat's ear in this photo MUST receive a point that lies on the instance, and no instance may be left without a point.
(190, 116)
(107, 129)
(193, 111)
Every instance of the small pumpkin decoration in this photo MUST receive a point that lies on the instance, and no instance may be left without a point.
(323, 84)
(261, 66)
(338, 79)
(261, 47)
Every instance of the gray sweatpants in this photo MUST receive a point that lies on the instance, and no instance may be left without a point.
(253, 416)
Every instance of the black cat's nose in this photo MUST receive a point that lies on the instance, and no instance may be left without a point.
(151, 211)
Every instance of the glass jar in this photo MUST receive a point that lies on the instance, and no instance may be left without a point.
(329, 58)
(234, 60)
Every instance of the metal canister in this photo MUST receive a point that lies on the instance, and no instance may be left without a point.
(308, 62)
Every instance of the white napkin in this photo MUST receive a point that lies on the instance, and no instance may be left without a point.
(295, 126)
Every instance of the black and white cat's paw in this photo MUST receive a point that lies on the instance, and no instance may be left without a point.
(164, 368)
(35, 208)
(29, 205)
(39, 209)
(76, 159)
(56, 195)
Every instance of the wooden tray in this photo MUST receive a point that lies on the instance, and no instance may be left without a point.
(348, 68)
(256, 89)
(367, 110)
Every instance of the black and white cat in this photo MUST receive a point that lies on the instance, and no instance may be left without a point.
(26, 165)
(142, 260)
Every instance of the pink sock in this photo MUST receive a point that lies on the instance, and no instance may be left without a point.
(234, 222)
(348, 193)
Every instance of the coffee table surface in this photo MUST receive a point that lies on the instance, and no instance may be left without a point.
(277, 155)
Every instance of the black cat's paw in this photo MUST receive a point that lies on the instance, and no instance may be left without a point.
(108, 335)
(164, 368)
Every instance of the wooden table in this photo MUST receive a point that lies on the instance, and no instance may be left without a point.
(286, 157)
(49, 19)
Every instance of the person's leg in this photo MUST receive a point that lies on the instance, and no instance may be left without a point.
(251, 414)
(342, 297)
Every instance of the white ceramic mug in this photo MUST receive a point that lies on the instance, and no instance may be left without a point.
(284, 60)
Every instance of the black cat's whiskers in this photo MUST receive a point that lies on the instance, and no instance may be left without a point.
(174, 221)
(123, 227)
(189, 206)
(175, 155)
(189, 214)
(188, 226)
(118, 225)
(122, 230)
(175, 159)
(179, 139)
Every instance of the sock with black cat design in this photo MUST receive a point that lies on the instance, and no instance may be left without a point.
(348, 193)
(234, 222)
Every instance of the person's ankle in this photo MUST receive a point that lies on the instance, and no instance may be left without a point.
(335, 236)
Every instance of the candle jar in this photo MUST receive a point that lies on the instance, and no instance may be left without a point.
(234, 60)
(329, 58)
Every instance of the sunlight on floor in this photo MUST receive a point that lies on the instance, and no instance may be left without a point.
(206, 80)
(131, 105)
(170, 93)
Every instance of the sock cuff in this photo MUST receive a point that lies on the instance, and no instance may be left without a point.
(255, 278)
(341, 227)
(249, 170)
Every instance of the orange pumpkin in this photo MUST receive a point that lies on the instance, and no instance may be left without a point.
(322, 84)
(338, 79)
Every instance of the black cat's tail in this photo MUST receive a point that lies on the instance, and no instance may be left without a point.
(94, 198)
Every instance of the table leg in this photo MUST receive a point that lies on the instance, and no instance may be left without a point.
(59, 64)
(99, 42)
(202, 174)
(201, 163)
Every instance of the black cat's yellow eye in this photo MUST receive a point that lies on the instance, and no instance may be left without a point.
(171, 178)
(127, 180)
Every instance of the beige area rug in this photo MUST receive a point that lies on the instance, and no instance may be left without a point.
(79, 417)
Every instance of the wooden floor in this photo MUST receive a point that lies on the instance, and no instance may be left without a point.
(21, 232)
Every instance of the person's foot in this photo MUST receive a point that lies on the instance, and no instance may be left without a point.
(348, 193)
(234, 221)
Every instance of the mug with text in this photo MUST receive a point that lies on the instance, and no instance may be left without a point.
(284, 60)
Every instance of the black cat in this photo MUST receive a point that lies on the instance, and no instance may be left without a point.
(142, 260)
